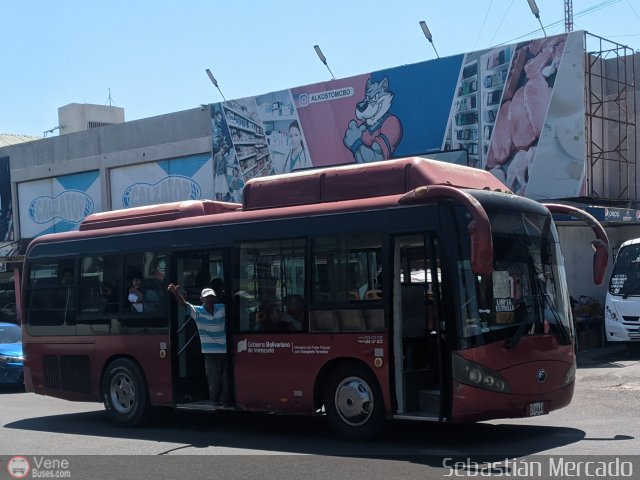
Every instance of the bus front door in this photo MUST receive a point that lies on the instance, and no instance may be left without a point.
(418, 353)
(193, 271)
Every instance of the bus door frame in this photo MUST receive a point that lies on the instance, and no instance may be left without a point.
(429, 257)
(205, 256)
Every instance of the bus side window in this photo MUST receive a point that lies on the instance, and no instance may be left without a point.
(271, 286)
(347, 269)
(51, 301)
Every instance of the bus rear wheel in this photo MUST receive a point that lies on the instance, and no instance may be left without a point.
(353, 402)
(124, 393)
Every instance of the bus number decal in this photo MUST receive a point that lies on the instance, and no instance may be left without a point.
(370, 339)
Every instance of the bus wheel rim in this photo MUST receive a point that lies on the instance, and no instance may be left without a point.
(123, 393)
(354, 401)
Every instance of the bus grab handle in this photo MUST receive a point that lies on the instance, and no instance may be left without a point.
(600, 244)
(479, 227)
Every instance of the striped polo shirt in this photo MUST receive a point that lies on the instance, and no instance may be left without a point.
(210, 327)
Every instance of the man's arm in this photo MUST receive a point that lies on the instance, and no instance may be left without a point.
(176, 293)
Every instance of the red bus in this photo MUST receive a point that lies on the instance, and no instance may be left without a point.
(406, 289)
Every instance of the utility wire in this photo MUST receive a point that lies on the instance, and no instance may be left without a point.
(587, 11)
(500, 24)
(631, 7)
(482, 26)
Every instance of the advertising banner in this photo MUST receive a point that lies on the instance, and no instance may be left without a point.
(517, 111)
(170, 180)
(57, 204)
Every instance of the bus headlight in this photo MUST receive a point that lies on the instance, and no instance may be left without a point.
(611, 315)
(570, 376)
(475, 375)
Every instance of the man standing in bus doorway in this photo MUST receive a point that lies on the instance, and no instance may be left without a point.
(210, 320)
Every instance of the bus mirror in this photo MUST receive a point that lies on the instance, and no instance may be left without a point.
(600, 260)
(479, 227)
(600, 244)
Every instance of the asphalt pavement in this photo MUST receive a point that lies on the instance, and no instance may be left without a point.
(610, 352)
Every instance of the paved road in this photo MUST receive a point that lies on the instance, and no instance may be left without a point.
(603, 419)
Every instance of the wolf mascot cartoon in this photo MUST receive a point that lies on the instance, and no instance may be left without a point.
(379, 132)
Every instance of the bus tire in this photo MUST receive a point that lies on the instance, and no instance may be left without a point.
(124, 392)
(353, 402)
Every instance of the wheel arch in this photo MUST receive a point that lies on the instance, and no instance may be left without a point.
(112, 359)
(325, 371)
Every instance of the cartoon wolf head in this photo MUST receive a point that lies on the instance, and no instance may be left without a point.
(376, 103)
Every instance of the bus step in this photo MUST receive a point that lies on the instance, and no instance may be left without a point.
(429, 400)
(199, 405)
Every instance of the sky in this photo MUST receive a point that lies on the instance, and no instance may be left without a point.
(150, 57)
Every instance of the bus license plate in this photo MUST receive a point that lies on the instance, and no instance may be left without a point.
(536, 408)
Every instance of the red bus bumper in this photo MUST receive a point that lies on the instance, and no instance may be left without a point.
(471, 404)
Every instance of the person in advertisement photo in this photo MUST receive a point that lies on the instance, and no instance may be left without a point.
(297, 156)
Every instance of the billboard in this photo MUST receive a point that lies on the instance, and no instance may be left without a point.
(58, 204)
(517, 111)
(164, 181)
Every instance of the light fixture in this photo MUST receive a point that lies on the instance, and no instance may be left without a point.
(427, 34)
(215, 82)
(323, 59)
(536, 13)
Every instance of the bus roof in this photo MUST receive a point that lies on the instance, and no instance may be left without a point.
(314, 186)
(350, 182)
(156, 213)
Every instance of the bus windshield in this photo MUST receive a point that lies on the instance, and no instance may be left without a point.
(625, 278)
(526, 293)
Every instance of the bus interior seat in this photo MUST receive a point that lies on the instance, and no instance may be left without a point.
(352, 321)
(324, 321)
(373, 295)
(323, 297)
(350, 295)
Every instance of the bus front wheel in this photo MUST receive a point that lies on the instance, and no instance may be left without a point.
(353, 402)
(124, 393)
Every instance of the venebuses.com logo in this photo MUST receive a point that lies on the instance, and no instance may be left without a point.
(38, 467)
(18, 467)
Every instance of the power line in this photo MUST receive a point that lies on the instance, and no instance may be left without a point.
(482, 26)
(586, 11)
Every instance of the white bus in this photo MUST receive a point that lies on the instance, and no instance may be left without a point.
(622, 307)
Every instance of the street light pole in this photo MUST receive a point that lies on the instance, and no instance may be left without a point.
(323, 59)
(427, 34)
(536, 13)
(215, 82)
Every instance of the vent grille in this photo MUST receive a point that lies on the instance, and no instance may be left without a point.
(51, 371)
(91, 125)
(70, 373)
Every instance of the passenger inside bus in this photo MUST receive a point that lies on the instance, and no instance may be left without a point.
(357, 284)
(109, 300)
(217, 285)
(269, 318)
(294, 311)
(67, 277)
(136, 294)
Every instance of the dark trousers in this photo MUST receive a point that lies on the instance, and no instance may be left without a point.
(215, 364)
